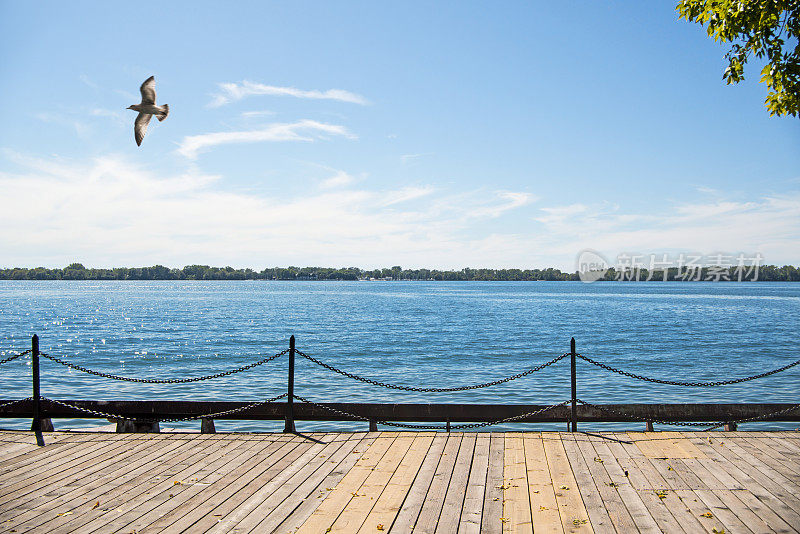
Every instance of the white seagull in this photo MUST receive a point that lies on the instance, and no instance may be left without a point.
(147, 109)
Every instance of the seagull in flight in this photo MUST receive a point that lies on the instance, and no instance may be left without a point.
(147, 109)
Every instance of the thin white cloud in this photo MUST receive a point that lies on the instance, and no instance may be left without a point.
(304, 130)
(110, 211)
(406, 194)
(251, 114)
(509, 200)
(231, 92)
(340, 179)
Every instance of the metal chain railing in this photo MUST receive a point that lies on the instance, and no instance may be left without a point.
(685, 384)
(757, 417)
(162, 381)
(431, 427)
(15, 402)
(717, 424)
(107, 415)
(429, 390)
(14, 357)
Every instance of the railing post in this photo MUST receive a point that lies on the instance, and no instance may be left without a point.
(289, 427)
(574, 414)
(36, 426)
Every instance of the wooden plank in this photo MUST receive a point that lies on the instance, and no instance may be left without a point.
(779, 461)
(574, 516)
(305, 484)
(748, 477)
(472, 511)
(457, 488)
(338, 498)
(665, 476)
(202, 512)
(544, 508)
(409, 512)
(352, 518)
(434, 500)
(699, 509)
(165, 494)
(387, 506)
(592, 499)
(114, 488)
(776, 523)
(633, 503)
(78, 498)
(300, 514)
(214, 478)
(664, 445)
(622, 449)
(731, 512)
(493, 497)
(46, 476)
(766, 466)
(258, 504)
(592, 472)
(285, 498)
(516, 502)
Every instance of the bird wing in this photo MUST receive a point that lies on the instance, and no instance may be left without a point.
(140, 127)
(148, 90)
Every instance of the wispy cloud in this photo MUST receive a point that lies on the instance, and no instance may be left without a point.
(304, 130)
(231, 92)
(252, 114)
(111, 211)
(340, 179)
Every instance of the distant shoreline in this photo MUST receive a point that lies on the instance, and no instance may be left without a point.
(76, 271)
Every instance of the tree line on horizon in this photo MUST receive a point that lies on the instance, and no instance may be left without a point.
(76, 271)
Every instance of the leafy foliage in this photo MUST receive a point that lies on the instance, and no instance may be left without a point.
(77, 271)
(766, 29)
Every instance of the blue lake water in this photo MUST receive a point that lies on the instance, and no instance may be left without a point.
(433, 334)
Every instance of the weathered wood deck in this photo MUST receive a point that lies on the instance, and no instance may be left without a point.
(399, 481)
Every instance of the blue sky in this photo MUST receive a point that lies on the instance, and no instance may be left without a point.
(373, 134)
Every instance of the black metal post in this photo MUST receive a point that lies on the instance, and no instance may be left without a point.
(574, 415)
(289, 427)
(36, 425)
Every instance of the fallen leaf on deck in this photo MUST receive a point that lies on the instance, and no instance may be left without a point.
(577, 522)
(564, 487)
(177, 483)
(96, 505)
(64, 513)
(504, 519)
(379, 527)
(598, 460)
(707, 514)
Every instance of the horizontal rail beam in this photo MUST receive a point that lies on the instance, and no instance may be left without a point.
(405, 412)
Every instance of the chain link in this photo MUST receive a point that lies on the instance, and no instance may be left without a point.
(638, 418)
(428, 390)
(717, 424)
(107, 415)
(15, 402)
(757, 417)
(431, 427)
(686, 384)
(159, 381)
(14, 357)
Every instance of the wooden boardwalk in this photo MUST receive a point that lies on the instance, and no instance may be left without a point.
(401, 482)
